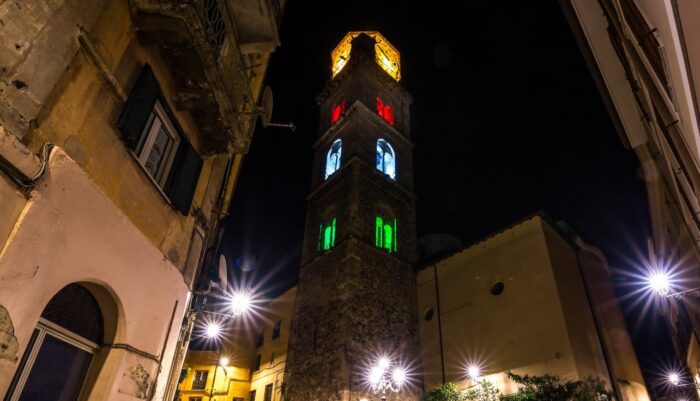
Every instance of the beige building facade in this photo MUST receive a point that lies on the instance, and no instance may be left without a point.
(532, 298)
(645, 58)
(123, 125)
(256, 356)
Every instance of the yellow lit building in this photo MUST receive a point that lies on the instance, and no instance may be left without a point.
(256, 359)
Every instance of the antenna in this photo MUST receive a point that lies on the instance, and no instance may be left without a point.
(265, 112)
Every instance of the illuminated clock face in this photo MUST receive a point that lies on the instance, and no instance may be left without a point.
(386, 55)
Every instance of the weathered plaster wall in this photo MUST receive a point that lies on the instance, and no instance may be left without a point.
(81, 118)
(70, 232)
(38, 40)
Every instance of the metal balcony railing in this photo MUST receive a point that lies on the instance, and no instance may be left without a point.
(216, 19)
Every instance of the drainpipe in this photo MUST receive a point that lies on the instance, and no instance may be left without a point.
(596, 323)
(437, 297)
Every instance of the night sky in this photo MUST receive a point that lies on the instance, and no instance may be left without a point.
(506, 121)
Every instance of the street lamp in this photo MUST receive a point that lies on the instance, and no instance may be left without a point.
(474, 372)
(659, 282)
(382, 377)
(674, 378)
(239, 303)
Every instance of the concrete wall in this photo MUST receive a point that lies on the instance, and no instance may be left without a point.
(38, 41)
(81, 117)
(656, 113)
(70, 232)
(66, 70)
(541, 323)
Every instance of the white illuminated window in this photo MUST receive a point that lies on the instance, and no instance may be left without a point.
(386, 159)
(333, 158)
(157, 147)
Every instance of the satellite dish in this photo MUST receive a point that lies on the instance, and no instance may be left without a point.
(223, 273)
(266, 107)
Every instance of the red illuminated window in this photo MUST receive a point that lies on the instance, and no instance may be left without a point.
(338, 110)
(385, 111)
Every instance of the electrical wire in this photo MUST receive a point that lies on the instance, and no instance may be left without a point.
(22, 179)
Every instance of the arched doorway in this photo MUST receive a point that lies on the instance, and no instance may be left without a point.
(61, 349)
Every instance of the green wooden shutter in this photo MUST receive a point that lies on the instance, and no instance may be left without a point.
(138, 108)
(183, 178)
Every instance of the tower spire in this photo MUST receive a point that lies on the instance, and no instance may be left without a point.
(356, 298)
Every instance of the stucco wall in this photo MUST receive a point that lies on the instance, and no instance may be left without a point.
(38, 40)
(523, 329)
(68, 232)
(81, 117)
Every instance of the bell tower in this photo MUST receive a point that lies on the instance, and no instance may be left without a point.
(356, 298)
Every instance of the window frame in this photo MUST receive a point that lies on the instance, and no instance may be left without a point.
(270, 392)
(45, 328)
(204, 383)
(336, 145)
(385, 148)
(277, 329)
(330, 228)
(159, 118)
(258, 362)
(260, 340)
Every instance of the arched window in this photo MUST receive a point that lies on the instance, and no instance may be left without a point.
(337, 111)
(386, 159)
(57, 358)
(385, 233)
(326, 238)
(385, 111)
(333, 158)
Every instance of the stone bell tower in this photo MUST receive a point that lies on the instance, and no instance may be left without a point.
(356, 298)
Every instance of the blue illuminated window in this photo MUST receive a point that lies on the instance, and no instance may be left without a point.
(333, 158)
(386, 159)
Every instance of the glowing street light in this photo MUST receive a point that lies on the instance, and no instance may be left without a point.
(660, 283)
(382, 378)
(674, 378)
(224, 361)
(240, 303)
(213, 330)
(473, 371)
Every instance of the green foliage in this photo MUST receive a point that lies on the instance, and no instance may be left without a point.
(551, 388)
(531, 388)
(483, 391)
(445, 392)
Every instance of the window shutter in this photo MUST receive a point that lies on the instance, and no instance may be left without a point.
(183, 177)
(138, 107)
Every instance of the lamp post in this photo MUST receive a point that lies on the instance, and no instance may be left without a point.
(383, 377)
(660, 283)
(238, 304)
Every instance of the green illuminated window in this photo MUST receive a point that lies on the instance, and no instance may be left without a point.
(326, 238)
(385, 234)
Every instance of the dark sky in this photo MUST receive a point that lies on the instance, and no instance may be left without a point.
(506, 121)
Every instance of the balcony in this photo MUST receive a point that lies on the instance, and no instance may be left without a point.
(210, 47)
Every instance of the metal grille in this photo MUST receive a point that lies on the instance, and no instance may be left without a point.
(200, 380)
(277, 11)
(214, 24)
